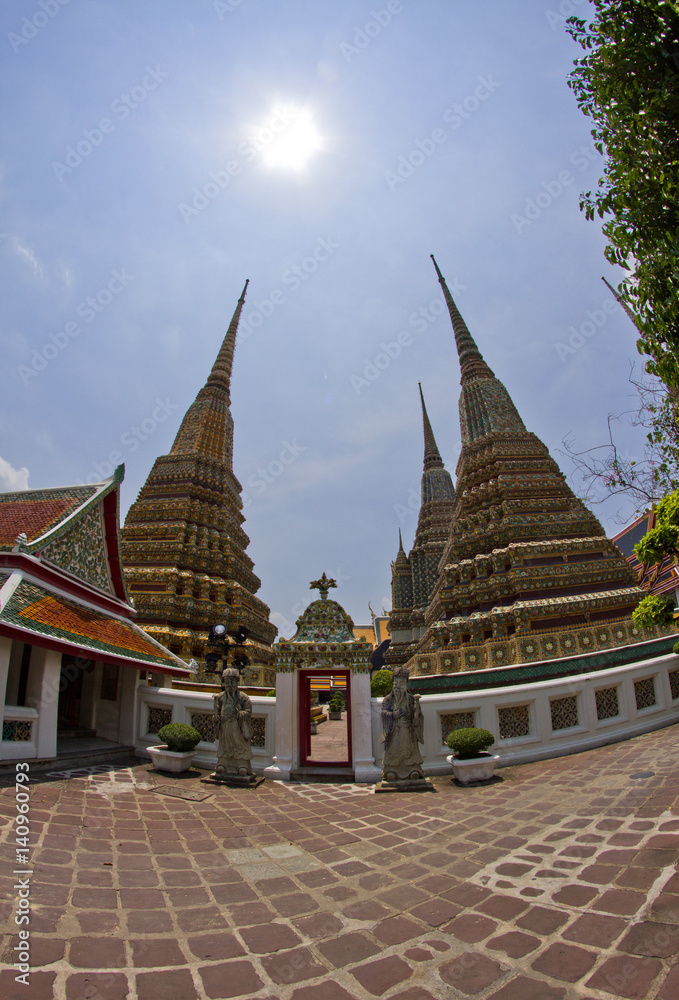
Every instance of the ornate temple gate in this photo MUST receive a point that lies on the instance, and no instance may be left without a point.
(321, 751)
(323, 646)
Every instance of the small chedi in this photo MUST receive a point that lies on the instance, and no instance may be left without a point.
(402, 734)
(233, 718)
(526, 572)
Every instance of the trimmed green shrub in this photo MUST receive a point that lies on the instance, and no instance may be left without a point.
(179, 738)
(656, 609)
(467, 743)
(381, 683)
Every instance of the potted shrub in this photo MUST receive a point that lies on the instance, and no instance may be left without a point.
(470, 759)
(179, 749)
(335, 707)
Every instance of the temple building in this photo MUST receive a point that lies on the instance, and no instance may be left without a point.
(526, 572)
(72, 659)
(414, 575)
(183, 544)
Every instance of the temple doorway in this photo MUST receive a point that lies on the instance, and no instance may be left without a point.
(324, 742)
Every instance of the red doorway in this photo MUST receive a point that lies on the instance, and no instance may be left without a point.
(311, 753)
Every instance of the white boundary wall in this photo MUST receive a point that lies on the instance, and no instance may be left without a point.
(643, 681)
(182, 704)
(646, 695)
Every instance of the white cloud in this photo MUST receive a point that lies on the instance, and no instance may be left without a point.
(11, 478)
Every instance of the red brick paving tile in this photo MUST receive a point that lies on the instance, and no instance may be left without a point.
(542, 920)
(466, 894)
(295, 904)
(636, 878)
(666, 907)
(396, 930)
(651, 939)
(44, 951)
(96, 986)
(599, 874)
(49, 895)
(276, 886)
(624, 976)
(203, 919)
(366, 909)
(340, 892)
(438, 944)
(140, 899)
(324, 991)
(470, 973)
(516, 944)
(418, 954)
(379, 976)
(262, 939)
(97, 953)
(347, 948)
(216, 945)
(376, 880)
(293, 966)
(565, 961)
(148, 921)
(156, 952)
(135, 880)
(664, 840)
(234, 892)
(502, 907)
(621, 902)
(314, 879)
(96, 899)
(251, 913)
(435, 912)
(187, 897)
(596, 930)
(104, 879)
(403, 896)
(575, 895)
(319, 925)
(670, 987)
(181, 878)
(471, 927)
(101, 921)
(654, 859)
(513, 868)
(175, 983)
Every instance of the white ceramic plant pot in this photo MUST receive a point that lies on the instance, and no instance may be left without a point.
(474, 768)
(171, 760)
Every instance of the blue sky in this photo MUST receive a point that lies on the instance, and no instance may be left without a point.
(137, 195)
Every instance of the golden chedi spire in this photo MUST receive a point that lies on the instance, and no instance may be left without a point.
(183, 544)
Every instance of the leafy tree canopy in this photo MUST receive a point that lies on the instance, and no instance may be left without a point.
(628, 84)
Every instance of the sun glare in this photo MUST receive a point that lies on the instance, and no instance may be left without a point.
(294, 139)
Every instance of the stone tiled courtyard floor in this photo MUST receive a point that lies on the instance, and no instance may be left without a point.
(557, 882)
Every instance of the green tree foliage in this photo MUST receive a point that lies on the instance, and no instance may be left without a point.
(381, 683)
(628, 84)
(659, 542)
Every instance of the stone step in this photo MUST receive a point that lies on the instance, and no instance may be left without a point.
(323, 775)
(73, 759)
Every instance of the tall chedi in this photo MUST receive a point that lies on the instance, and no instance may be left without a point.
(183, 545)
(414, 576)
(527, 572)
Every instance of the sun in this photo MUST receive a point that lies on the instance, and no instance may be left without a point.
(294, 141)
